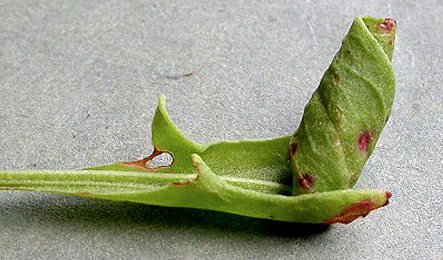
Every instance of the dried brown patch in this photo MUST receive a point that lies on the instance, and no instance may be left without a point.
(336, 79)
(183, 183)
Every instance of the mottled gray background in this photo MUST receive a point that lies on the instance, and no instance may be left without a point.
(79, 82)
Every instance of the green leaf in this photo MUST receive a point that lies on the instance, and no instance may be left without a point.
(346, 114)
(258, 160)
(204, 190)
(254, 177)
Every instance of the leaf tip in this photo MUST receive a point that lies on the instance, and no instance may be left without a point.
(162, 100)
(359, 209)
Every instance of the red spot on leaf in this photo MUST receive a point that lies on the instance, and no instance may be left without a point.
(388, 25)
(292, 150)
(306, 181)
(364, 141)
(360, 209)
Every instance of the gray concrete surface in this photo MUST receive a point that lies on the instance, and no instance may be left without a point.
(79, 81)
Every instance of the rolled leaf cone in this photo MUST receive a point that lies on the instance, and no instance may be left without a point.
(253, 178)
(346, 114)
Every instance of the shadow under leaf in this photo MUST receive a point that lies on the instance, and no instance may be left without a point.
(100, 212)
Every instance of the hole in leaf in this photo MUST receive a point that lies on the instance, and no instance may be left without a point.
(162, 160)
(157, 160)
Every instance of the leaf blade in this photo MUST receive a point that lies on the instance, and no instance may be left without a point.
(208, 191)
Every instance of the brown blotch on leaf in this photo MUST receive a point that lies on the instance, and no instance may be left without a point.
(306, 181)
(292, 150)
(360, 209)
(364, 141)
(183, 183)
(336, 79)
(347, 54)
(353, 177)
(388, 25)
(337, 140)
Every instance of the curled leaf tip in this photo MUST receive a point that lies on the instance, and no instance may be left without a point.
(384, 32)
(355, 94)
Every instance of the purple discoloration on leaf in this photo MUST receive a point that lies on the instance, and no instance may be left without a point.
(292, 150)
(388, 25)
(364, 141)
(306, 181)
